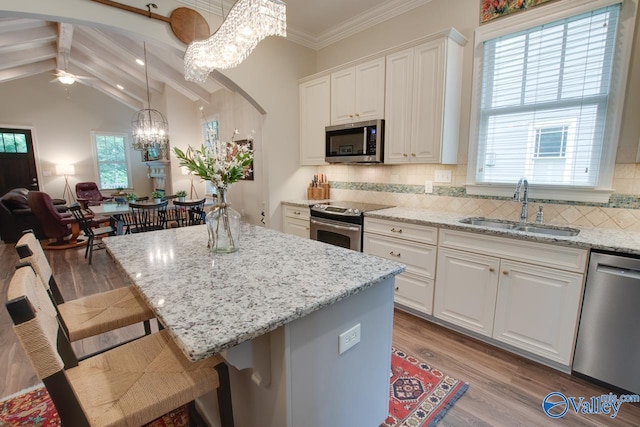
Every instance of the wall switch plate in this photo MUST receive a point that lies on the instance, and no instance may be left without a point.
(349, 338)
(428, 187)
(443, 176)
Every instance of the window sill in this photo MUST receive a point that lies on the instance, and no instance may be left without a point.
(583, 194)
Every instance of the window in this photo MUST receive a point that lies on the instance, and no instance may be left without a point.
(210, 133)
(13, 142)
(542, 101)
(112, 159)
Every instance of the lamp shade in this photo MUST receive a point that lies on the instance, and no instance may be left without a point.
(65, 170)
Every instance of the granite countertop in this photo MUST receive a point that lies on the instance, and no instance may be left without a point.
(304, 203)
(595, 238)
(212, 302)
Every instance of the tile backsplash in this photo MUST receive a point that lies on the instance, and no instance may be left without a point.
(403, 185)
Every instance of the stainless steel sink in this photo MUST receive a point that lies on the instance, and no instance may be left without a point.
(517, 226)
(491, 223)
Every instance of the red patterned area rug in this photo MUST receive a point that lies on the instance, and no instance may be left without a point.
(420, 394)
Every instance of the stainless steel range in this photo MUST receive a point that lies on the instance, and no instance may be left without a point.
(340, 223)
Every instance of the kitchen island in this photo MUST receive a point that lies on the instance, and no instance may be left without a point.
(275, 310)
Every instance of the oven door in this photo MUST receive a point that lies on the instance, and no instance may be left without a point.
(337, 233)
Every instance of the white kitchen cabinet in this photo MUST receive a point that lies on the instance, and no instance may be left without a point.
(412, 245)
(315, 106)
(536, 309)
(525, 294)
(422, 101)
(295, 220)
(466, 288)
(357, 93)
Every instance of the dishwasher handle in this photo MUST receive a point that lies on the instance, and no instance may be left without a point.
(629, 273)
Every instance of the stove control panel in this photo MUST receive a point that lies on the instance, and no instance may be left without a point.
(336, 210)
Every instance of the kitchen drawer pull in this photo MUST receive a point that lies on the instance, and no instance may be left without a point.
(399, 230)
(394, 254)
(506, 273)
(491, 270)
(296, 213)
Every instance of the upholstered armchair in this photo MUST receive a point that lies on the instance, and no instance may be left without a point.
(61, 226)
(16, 215)
(88, 194)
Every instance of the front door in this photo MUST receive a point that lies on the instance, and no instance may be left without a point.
(17, 161)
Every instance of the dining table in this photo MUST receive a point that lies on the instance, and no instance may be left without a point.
(116, 210)
(304, 326)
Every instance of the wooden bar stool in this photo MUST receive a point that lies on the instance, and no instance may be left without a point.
(130, 385)
(90, 315)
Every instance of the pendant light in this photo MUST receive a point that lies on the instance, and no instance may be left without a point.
(150, 128)
(246, 24)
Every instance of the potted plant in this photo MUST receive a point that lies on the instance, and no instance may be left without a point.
(157, 196)
(182, 195)
(131, 197)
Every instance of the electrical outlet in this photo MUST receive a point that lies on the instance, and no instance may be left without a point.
(443, 176)
(349, 338)
(428, 187)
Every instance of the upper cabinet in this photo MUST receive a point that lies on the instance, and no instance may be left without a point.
(423, 101)
(357, 93)
(314, 117)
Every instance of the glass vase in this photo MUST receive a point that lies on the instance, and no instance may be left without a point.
(223, 225)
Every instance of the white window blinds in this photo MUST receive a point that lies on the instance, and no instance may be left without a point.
(544, 99)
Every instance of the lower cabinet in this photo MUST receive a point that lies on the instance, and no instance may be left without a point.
(295, 220)
(466, 290)
(488, 288)
(412, 245)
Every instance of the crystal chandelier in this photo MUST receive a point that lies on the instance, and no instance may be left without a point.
(150, 127)
(246, 24)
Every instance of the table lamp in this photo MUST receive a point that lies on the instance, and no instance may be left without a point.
(66, 170)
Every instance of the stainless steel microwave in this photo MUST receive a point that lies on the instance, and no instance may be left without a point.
(360, 142)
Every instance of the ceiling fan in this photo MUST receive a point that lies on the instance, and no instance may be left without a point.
(68, 78)
(65, 77)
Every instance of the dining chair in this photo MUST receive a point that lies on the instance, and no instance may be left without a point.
(130, 385)
(90, 315)
(148, 216)
(90, 231)
(189, 213)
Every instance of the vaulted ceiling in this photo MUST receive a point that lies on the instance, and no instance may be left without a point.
(31, 46)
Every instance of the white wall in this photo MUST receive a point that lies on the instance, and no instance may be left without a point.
(62, 121)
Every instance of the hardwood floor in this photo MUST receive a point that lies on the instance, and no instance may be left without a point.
(504, 389)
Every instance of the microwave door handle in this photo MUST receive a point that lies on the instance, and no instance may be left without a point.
(364, 135)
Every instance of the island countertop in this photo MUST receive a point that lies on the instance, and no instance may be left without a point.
(213, 302)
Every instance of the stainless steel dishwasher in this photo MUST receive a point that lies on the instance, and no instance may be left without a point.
(608, 345)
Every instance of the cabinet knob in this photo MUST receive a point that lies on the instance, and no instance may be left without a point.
(351, 116)
(506, 273)
(404, 155)
(491, 270)
(357, 115)
(399, 230)
(413, 154)
(394, 254)
(397, 288)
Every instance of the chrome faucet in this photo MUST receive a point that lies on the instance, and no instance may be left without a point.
(525, 198)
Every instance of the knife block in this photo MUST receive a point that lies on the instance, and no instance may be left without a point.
(318, 193)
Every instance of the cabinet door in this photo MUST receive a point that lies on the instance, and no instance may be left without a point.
(428, 89)
(465, 292)
(343, 96)
(414, 292)
(398, 107)
(369, 95)
(537, 309)
(314, 116)
(297, 227)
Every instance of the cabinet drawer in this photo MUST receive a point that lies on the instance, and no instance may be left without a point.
(296, 212)
(414, 292)
(548, 255)
(402, 230)
(420, 259)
